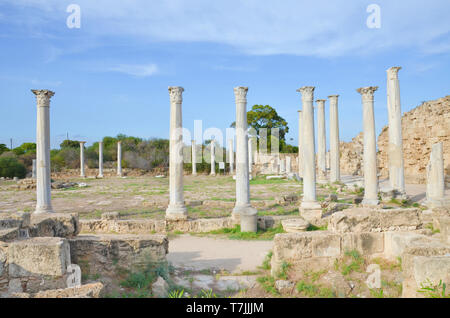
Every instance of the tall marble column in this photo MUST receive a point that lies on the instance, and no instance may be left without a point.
(194, 158)
(82, 172)
(43, 181)
(213, 157)
(282, 165)
(288, 165)
(309, 167)
(119, 158)
(100, 159)
(300, 143)
(243, 208)
(176, 209)
(395, 152)
(250, 155)
(370, 147)
(436, 178)
(231, 155)
(321, 141)
(335, 170)
(33, 171)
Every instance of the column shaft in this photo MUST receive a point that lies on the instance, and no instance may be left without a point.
(231, 155)
(119, 158)
(321, 141)
(335, 173)
(300, 143)
(82, 172)
(100, 159)
(43, 182)
(194, 158)
(213, 158)
(176, 209)
(370, 147)
(436, 178)
(243, 209)
(395, 150)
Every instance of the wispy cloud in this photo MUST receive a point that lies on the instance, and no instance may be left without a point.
(262, 27)
(137, 70)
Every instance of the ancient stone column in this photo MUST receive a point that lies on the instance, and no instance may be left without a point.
(335, 170)
(282, 166)
(288, 165)
(243, 209)
(194, 158)
(231, 155)
(395, 149)
(321, 141)
(33, 171)
(43, 181)
(119, 158)
(100, 159)
(436, 178)
(300, 143)
(213, 157)
(250, 155)
(176, 209)
(370, 147)
(309, 202)
(82, 172)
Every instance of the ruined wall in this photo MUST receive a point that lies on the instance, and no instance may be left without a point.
(269, 164)
(351, 159)
(422, 127)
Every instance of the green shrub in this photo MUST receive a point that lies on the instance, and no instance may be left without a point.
(10, 167)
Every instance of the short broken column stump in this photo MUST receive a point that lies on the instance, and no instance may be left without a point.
(295, 225)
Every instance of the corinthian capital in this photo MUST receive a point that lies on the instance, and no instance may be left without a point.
(367, 92)
(307, 92)
(176, 93)
(333, 97)
(240, 93)
(43, 97)
(393, 72)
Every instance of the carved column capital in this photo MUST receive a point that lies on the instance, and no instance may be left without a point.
(43, 97)
(240, 93)
(367, 92)
(307, 92)
(393, 72)
(176, 94)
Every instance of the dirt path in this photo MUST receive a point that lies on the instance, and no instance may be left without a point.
(200, 253)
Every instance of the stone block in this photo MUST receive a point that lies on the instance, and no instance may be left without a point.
(367, 243)
(295, 225)
(14, 220)
(397, 242)
(38, 256)
(444, 227)
(54, 225)
(326, 245)
(93, 290)
(104, 254)
(9, 235)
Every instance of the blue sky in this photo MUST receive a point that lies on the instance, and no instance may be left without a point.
(111, 75)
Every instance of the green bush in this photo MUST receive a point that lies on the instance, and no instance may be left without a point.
(10, 167)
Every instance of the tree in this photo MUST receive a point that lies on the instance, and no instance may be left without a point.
(266, 117)
(3, 148)
(70, 144)
(10, 167)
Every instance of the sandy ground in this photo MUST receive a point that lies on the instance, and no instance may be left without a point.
(199, 253)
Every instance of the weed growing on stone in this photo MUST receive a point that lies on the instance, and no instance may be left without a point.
(431, 290)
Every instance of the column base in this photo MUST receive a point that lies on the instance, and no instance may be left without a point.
(370, 202)
(41, 210)
(100, 176)
(82, 176)
(311, 211)
(247, 216)
(212, 174)
(437, 203)
(194, 174)
(176, 212)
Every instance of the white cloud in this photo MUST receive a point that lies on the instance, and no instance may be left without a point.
(261, 27)
(137, 70)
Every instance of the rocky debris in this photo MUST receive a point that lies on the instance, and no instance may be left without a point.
(9, 235)
(14, 220)
(93, 290)
(54, 225)
(287, 199)
(375, 220)
(160, 288)
(110, 216)
(63, 184)
(295, 225)
(390, 194)
(284, 286)
(331, 198)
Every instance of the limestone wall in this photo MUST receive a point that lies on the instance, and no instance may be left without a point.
(269, 163)
(351, 159)
(422, 127)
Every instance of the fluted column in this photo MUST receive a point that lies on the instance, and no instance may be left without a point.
(213, 157)
(33, 171)
(119, 158)
(300, 143)
(194, 158)
(100, 159)
(250, 155)
(309, 167)
(288, 165)
(436, 178)
(43, 181)
(321, 141)
(82, 172)
(370, 147)
(335, 170)
(176, 209)
(231, 155)
(243, 209)
(395, 152)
